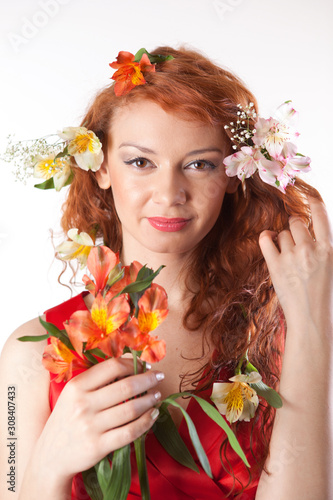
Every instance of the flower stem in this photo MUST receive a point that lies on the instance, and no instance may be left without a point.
(140, 453)
(139, 446)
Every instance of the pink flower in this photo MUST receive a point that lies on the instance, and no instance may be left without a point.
(292, 164)
(244, 163)
(274, 132)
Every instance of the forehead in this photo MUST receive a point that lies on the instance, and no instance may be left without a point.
(145, 121)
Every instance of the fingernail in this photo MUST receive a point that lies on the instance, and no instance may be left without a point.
(160, 376)
(154, 414)
(148, 366)
(157, 395)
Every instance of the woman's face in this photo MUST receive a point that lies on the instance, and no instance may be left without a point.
(167, 178)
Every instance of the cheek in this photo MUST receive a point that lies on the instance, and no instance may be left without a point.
(211, 194)
(127, 194)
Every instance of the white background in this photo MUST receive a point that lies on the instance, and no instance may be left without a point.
(55, 56)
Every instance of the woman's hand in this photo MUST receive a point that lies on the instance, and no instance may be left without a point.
(91, 419)
(301, 272)
(301, 268)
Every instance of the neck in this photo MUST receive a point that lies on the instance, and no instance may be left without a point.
(171, 276)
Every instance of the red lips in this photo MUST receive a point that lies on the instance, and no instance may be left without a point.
(168, 225)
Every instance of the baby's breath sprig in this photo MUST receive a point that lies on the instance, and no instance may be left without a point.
(23, 154)
(239, 131)
(53, 161)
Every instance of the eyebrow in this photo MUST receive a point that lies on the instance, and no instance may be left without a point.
(148, 150)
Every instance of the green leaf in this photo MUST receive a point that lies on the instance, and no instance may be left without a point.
(33, 338)
(140, 454)
(143, 280)
(213, 413)
(49, 184)
(120, 480)
(263, 390)
(55, 332)
(103, 470)
(194, 438)
(144, 273)
(97, 352)
(167, 434)
(91, 484)
(91, 358)
(152, 58)
(266, 392)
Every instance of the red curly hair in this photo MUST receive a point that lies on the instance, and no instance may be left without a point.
(236, 300)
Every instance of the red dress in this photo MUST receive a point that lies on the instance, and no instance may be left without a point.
(168, 480)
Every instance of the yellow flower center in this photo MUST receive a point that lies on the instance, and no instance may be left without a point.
(148, 321)
(48, 167)
(137, 77)
(82, 142)
(234, 399)
(63, 352)
(100, 318)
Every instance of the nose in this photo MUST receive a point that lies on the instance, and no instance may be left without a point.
(169, 188)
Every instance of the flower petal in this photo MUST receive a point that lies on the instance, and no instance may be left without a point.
(100, 262)
(154, 350)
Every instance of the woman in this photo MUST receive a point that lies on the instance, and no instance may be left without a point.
(162, 196)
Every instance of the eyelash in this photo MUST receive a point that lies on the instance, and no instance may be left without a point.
(209, 164)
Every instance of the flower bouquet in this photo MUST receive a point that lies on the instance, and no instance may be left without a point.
(127, 307)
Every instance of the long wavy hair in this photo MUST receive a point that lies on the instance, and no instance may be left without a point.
(233, 301)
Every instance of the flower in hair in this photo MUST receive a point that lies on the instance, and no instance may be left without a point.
(51, 159)
(85, 146)
(131, 68)
(266, 147)
(50, 167)
(129, 73)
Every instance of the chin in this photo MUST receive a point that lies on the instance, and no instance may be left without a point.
(170, 247)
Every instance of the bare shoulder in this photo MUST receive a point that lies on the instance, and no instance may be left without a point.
(24, 383)
(21, 367)
(17, 355)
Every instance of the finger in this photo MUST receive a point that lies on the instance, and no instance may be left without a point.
(285, 241)
(321, 223)
(105, 372)
(125, 389)
(117, 438)
(126, 412)
(268, 247)
(299, 230)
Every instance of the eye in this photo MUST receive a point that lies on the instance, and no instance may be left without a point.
(201, 165)
(138, 162)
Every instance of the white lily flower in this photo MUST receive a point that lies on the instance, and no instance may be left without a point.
(85, 146)
(237, 400)
(79, 248)
(47, 167)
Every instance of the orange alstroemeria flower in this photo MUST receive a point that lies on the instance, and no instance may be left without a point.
(57, 358)
(100, 263)
(153, 308)
(129, 73)
(153, 350)
(100, 328)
